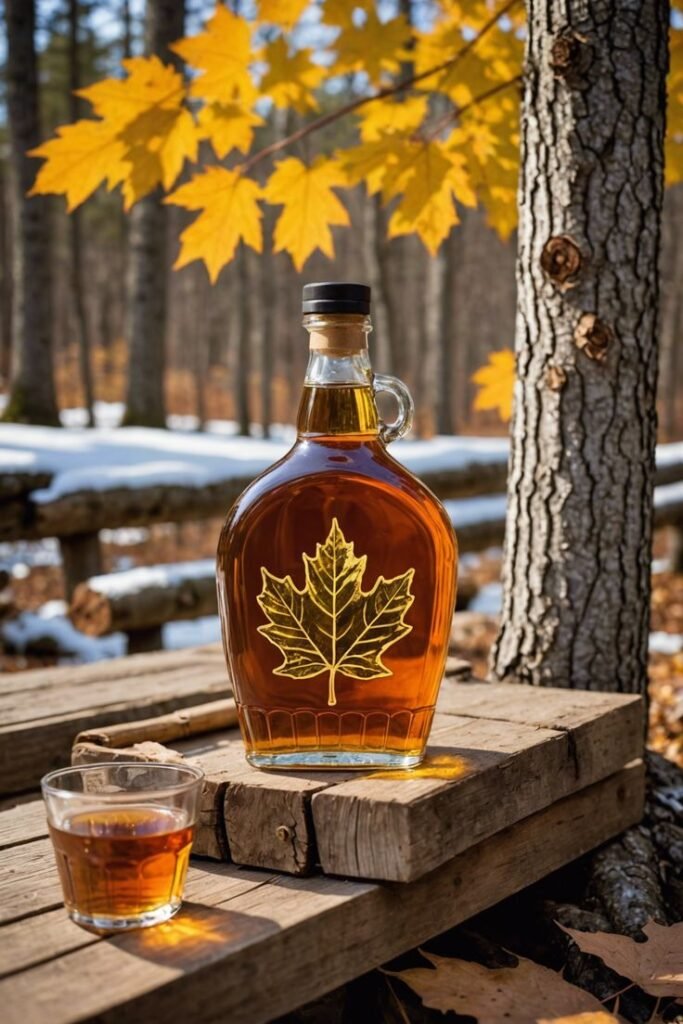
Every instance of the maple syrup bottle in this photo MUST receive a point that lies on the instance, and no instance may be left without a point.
(336, 571)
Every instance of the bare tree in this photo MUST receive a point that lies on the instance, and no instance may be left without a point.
(32, 396)
(243, 358)
(75, 233)
(148, 258)
(577, 557)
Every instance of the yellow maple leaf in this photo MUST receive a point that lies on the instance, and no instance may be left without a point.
(230, 213)
(385, 117)
(143, 137)
(291, 76)
(495, 383)
(284, 13)
(310, 206)
(428, 185)
(339, 13)
(222, 55)
(373, 47)
(157, 145)
(149, 86)
(78, 160)
(372, 162)
(228, 126)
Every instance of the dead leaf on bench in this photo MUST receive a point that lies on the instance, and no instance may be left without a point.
(656, 966)
(503, 995)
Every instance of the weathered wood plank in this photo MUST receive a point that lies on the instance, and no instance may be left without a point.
(264, 819)
(23, 823)
(39, 725)
(49, 934)
(253, 956)
(604, 728)
(446, 805)
(28, 880)
(112, 671)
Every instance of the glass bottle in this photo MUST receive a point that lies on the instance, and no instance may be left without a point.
(336, 571)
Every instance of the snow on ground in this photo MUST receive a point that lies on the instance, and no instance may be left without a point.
(108, 457)
(51, 629)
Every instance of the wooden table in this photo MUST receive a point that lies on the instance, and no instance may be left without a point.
(250, 945)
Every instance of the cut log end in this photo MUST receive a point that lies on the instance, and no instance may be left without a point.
(90, 611)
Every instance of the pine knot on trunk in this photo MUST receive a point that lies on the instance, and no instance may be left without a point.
(594, 337)
(555, 378)
(570, 57)
(562, 261)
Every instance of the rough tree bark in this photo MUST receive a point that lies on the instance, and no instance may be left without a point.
(148, 261)
(75, 234)
(32, 396)
(577, 558)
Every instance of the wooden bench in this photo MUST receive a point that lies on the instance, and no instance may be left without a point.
(515, 786)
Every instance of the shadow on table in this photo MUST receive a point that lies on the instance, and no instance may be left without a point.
(197, 935)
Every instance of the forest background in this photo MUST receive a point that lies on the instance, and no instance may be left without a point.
(234, 348)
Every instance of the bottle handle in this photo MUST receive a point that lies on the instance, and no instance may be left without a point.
(389, 432)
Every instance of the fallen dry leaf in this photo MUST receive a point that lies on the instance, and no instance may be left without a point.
(505, 995)
(600, 1017)
(656, 966)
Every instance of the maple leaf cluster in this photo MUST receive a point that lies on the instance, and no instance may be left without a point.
(436, 110)
(424, 148)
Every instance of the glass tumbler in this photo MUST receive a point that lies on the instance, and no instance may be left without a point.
(122, 834)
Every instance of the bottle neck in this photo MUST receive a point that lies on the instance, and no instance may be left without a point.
(338, 396)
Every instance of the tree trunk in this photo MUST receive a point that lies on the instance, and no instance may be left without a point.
(445, 420)
(579, 526)
(5, 279)
(267, 326)
(77, 298)
(671, 321)
(148, 258)
(243, 345)
(32, 396)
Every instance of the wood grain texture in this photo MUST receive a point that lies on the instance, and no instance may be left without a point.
(253, 953)
(540, 746)
(22, 823)
(604, 729)
(39, 721)
(450, 802)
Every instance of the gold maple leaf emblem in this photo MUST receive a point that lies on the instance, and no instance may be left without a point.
(332, 625)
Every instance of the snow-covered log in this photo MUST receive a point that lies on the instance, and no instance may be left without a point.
(144, 598)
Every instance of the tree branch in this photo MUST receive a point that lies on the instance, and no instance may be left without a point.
(453, 115)
(393, 90)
